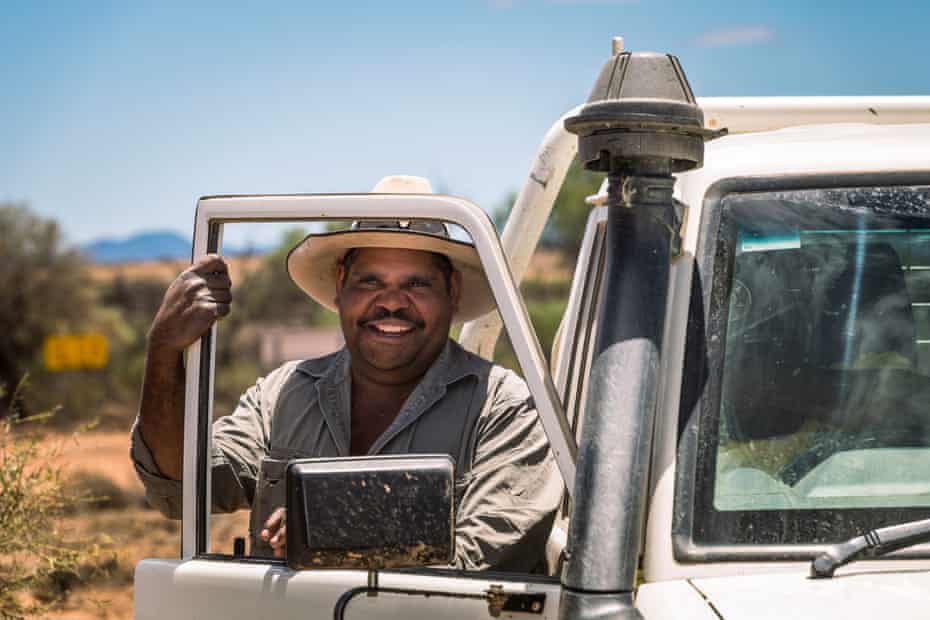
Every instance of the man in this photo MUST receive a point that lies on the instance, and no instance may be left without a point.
(399, 386)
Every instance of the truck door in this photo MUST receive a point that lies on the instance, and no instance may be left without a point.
(213, 578)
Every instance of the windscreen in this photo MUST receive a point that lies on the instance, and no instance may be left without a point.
(821, 421)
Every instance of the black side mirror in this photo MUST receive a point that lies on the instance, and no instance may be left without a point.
(370, 512)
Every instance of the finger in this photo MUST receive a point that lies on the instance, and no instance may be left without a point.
(194, 282)
(272, 523)
(210, 263)
(221, 295)
(215, 279)
(278, 543)
(206, 307)
(275, 519)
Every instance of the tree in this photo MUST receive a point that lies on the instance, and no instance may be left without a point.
(570, 212)
(269, 293)
(46, 288)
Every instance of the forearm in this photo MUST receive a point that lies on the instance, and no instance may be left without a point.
(161, 412)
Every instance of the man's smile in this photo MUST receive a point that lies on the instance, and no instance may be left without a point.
(391, 327)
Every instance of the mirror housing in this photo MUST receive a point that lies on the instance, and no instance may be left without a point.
(370, 512)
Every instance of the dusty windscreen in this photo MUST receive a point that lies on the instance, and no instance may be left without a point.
(826, 360)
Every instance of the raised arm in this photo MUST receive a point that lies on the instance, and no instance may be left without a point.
(192, 304)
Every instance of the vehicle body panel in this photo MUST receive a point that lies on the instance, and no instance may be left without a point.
(199, 589)
(860, 593)
(673, 599)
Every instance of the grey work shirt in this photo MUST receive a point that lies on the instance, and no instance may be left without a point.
(507, 484)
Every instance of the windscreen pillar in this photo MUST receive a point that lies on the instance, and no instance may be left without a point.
(641, 124)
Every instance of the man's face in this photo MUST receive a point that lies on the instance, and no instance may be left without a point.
(395, 309)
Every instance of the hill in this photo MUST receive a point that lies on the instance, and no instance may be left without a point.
(146, 246)
(151, 246)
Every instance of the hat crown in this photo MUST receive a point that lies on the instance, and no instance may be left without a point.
(402, 184)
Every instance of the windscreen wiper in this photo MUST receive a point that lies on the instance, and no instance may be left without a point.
(873, 543)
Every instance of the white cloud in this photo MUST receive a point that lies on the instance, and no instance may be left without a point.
(736, 37)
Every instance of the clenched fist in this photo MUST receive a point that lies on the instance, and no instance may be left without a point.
(192, 304)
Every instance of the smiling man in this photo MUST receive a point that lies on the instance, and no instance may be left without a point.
(399, 386)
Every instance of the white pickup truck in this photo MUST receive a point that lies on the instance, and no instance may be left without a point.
(739, 397)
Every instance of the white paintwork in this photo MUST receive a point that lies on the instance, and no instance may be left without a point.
(191, 420)
(668, 600)
(839, 148)
(568, 326)
(755, 114)
(526, 222)
(199, 589)
(901, 595)
(616, 45)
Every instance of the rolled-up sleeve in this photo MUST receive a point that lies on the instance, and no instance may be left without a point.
(163, 494)
(238, 445)
(513, 489)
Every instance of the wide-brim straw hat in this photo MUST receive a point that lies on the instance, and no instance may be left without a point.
(313, 263)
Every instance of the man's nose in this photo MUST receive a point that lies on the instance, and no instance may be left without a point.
(393, 299)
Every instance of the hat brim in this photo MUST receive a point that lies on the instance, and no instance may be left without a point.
(313, 264)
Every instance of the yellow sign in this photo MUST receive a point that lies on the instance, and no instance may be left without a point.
(76, 352)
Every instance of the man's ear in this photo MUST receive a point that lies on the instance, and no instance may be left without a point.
(455, 289)
(340, 278)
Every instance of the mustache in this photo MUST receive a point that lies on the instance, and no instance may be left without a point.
(400, 315)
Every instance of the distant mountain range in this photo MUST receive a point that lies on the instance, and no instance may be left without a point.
(148, 246)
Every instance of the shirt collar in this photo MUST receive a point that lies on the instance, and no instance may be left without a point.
(451, 365)
(332, 385)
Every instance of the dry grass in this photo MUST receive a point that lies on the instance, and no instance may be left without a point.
(168, 270)
(546, 265)
(43, 558)
(136, 533)
(98, 464)
(96, 468)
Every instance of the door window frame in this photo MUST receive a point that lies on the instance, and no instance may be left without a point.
(215, 211)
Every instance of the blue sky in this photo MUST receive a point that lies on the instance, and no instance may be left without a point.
(115, 117)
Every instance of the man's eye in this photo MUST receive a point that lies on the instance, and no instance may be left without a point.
(368, 282)
(418, 283)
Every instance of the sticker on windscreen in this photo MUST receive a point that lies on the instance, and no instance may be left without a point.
(755, 242)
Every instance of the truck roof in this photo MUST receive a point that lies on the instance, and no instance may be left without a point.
(821, 148)
(836, 148)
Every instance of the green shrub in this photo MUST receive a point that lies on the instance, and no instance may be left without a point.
(545, 307)
(38, 565)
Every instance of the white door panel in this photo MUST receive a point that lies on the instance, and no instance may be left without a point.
(205, 589)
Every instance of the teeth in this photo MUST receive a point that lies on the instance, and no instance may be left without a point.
(392, 329)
